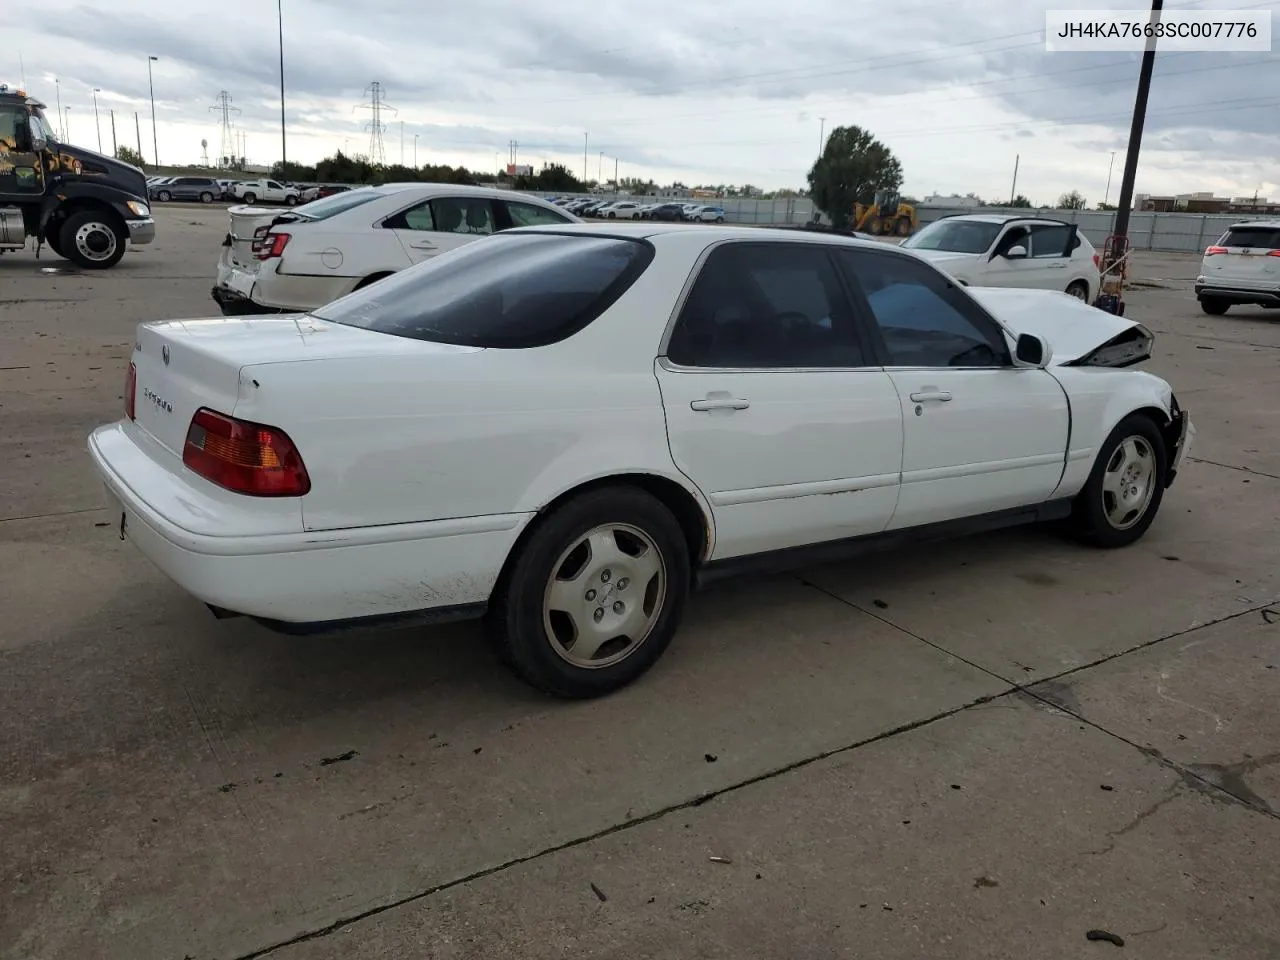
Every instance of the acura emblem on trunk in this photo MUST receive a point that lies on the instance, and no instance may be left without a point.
(164, 352)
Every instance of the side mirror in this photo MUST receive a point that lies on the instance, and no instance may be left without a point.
(1016, 252)
(1032, 351)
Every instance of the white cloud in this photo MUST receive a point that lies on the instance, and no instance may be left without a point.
(719, 93)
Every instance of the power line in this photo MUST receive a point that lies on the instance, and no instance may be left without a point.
(227, 148)
(375, 126)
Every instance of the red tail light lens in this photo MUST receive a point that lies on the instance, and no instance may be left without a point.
(1273, 253)
(244, 457)
(1097, 262)
(131, 391)
(272, 245)
(1214, 251)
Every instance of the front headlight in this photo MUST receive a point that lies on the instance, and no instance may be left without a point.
(138, 208)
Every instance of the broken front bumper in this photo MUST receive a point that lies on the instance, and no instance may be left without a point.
(1178, 436)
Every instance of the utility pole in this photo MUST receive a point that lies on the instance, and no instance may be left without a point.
(600, 167)
(1013, 191)
(96, 122)
(1107, 196)
(227, 145)
(1130, 174)
(137, 127)
(155, 140)
(115, 149)
(584, 158)
(67, 127)
(822, 132)
(57, 86)
(415, 151)
(377, 154)
(615, 176)
(402, 143)
(284, 150)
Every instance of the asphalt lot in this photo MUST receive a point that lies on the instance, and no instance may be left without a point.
(980, 749)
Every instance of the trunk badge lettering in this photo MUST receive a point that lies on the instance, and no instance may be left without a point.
(159, 401)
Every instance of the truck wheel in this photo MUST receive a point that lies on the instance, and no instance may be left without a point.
(206, 197)
(250, 197)
(92, 239)
(290, 200)
(52, 240)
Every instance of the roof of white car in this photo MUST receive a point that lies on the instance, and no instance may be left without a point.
(648, 229)
(455, 189)
(1264, 224)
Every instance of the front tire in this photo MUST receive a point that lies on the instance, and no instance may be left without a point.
(1213, 306)
(594, 596)
(1079, 289)
(290, 201)
(1125, 489)
(92, 240)
(206, 197)
(164, 196)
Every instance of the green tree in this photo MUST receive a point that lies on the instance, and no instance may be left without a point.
(553, 177)
(1020, 201)
(129, 155)
(293, 172)
(1071, 201)
(854, 165)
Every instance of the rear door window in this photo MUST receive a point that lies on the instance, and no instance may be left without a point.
(510, 290)
(1051, 240)
(463, 214)
(531, 215)
(1258, 238)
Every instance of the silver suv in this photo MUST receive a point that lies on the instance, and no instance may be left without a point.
(204, 189)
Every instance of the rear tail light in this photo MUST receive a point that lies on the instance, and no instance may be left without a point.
(131, 391)
(1097, 262)
(272, 245)
(1213, 251)
(1273, 253)
(244, 457)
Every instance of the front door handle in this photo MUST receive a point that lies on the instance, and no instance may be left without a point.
(720, 403)
(925, 395)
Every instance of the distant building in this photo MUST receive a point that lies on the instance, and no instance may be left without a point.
(953, 200)
(1204, 202)
(674, 193)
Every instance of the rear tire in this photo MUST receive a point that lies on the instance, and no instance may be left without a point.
(1125, 488)
(613, 557)
(1213, 306)
(250, 198)
(206, 197)
(290, 201)
(92, 239)
(904, 227)
(164, 196)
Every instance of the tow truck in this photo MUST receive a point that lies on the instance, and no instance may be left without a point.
(82, 205)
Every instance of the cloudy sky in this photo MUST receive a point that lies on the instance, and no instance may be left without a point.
(732, 92)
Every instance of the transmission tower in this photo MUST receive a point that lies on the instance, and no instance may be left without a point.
(224, 107)
(375, 126)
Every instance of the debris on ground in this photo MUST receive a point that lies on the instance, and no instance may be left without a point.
(340, 758)
(1105, 936)
(600, 895)
(720, 860)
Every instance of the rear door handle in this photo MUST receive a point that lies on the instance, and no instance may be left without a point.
(924, 395)
(720, 403)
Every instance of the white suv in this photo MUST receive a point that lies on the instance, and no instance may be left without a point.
(993, 250)
(1242, 267)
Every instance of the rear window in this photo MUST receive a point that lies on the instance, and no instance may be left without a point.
(326, 207)
(1266, 238)
(508, 290)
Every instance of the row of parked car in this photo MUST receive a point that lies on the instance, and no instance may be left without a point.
(635, 210)
(210, 189)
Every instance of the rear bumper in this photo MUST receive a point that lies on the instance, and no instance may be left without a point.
(141, 231)
(235, 304)
(305, 581)
(1262, 297)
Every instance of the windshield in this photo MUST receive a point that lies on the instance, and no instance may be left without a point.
(513, 290)
(328, 206)
(955, 236)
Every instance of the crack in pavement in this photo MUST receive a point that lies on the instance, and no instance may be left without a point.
(49, 516)
(1232, 466)
(1014, 688)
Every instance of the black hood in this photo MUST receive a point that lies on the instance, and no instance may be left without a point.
(96, 167)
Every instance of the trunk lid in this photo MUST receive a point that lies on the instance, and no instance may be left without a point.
(248, 223)
(1075, 331)
(182, 365)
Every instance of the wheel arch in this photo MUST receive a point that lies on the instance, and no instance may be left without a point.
(60, 212)
(693, 517)
(372, 279)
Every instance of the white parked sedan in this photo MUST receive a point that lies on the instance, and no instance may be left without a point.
(316, 253)
(565, 429)
(993, 250)
(1243, 267)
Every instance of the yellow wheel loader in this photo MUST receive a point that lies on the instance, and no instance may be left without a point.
(885, 216)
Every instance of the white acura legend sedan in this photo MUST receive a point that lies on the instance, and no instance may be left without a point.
(565, 429)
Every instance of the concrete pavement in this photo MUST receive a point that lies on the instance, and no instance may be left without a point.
(175, 786)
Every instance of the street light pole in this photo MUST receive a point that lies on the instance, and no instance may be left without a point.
(96, 122)
(284, 157)
(62, 134)
(415, 151)
(1107, 196)
(66, 132)
(155, 140)
(822, 132)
